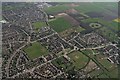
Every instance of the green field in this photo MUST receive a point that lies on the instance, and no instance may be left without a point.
(80, 29)
(103, 76)
(96, 20)
(35, 50)
(113, 25)
(108, 24)
(96, 72)
(109, 29)
(97, 7)
(114, 73)
(79, 60)
(87, 7)
(106, 63)
(60, 24)
(109, 34)
(38, 25)
(63, 64)
(56, 9)
(88, 53)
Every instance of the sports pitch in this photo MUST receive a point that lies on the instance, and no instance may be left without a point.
(35, 50)
(38, 25)
(78, 59)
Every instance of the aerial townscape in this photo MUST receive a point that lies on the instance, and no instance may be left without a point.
(60, 40)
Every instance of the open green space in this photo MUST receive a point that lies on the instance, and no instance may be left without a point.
(87, 7)
(60, 24)
(96, 72)
(96, 58)
(92, 20)
(38, 25)
(63, 64)
(79, 60)
(97, 7)
(67, 32)
(35, 50)
(107, 64)
(79, 29)
(108, 5)
(108, 30)
(96, 51)
(103, 76)
(88, 53)
(113, 25)
(114, 73)
(108, 24)
(109, 69)
(56, 9)
(109, 34)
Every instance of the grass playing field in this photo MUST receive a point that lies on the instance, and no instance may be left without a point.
(39, 24)
(78, 59)
(114, 73)
(103, 76)
(60, 24)
(35, 50)
(63, 64)
(106, 63)
(88, 53)
(96, 72)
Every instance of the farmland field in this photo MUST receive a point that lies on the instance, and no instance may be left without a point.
(98, 7)
(60, 24)
(56, 9)
(92, 20)
(87, 7)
